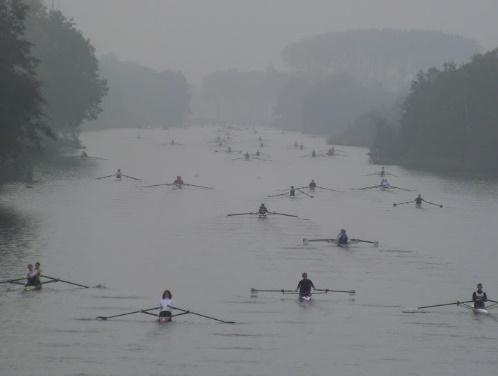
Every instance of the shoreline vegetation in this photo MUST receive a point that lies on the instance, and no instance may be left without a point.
(442, 120)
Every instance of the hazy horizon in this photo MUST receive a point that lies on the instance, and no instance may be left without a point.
(198, 37)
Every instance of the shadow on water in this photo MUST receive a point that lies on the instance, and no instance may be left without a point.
(17, 234)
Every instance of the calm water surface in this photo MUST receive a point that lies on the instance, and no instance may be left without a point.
(138, 241)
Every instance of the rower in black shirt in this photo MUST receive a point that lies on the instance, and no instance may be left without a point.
(479, 297)
(304, 287)
(312, 185)
(418, 201)
(292, 192)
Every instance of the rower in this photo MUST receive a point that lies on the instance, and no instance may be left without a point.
(165, 307)
(247, 156)
(258, 153)
(261, 145)
(83, 155)
(292, 192)
(260, 139)
(262, 209)
(295, 144)
(38, 273)
(479, 297)
(418, 201)
(342, 239)
(301, 147)
(312, 185)
(229, 150)
(382, 172)
(313, 153)
(178, 182)
(304, 286)
(331, 152)
(118, 174)
(32, 277)
(172, 142)
(384, 183)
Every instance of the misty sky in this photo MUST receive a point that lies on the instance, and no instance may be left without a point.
(200, 36)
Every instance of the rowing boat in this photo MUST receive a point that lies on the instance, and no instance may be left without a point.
(480, 311)
(33, 288)
(305, 298)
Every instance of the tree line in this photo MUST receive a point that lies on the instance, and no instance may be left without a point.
(448, 121)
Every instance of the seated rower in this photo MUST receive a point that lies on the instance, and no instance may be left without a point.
(479, 297)
(312, 185)
(292, 192)
(301, 147)
(118, 174)
(258, 153)
(178, 182)
(84, 155)
(342, 239)
(38, 273)
(247, 156)
(331, 152)
(382, 172)
(304, 287)
(295, 144)
(229, 150)
(165, 307)
(32, 278)
(262, 209)
(418, 201)
(384, 184)
(313, 153)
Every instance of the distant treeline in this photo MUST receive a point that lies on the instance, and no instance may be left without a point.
(448, 121)
(49, 84)
(337, 83)
(141, 96)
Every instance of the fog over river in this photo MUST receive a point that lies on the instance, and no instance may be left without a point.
(138, 241)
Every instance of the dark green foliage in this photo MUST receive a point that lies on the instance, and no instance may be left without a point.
(68, 70)
(450, 118)
(21, 125)
(141, 96)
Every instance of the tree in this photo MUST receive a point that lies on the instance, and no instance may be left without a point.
(21, 115)
(68, 70)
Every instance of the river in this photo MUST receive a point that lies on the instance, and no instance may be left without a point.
(137, 241)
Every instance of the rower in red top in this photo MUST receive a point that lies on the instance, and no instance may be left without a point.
(178, 182)
(479, 297)
(304, 287)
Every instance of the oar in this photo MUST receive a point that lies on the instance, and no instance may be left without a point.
(202, 315)
(287, 215)
(431, 203)
(402, 189)
(360, 189)
(445, 304)
(13, 280)
(131, 177)
(68, 282)
(253, 290)
(304, 193)
(327, 189)
(127, 313)
(234, 214)
(375, 243)
(352, 292)
(156, 185)
(403, 203)
(198, 186)
(103, 177)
